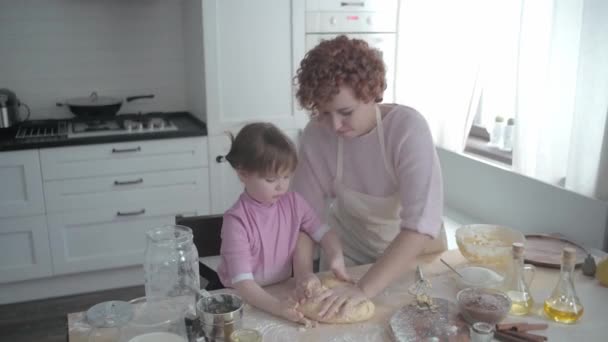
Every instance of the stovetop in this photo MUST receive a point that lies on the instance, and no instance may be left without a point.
(124, 127)
(71, 129)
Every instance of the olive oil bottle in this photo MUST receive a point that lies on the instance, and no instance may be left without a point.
(563, 305)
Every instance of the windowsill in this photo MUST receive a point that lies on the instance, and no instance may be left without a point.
(477, 145)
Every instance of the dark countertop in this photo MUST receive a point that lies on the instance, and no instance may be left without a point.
(188, 126)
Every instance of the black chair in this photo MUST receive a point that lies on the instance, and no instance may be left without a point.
(207, 239)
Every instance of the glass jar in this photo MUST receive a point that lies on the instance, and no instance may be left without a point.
(171, 268)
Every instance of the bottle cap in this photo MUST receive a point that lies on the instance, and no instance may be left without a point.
(499, 119)
(518, 248)
(511, 122)
(568, 255)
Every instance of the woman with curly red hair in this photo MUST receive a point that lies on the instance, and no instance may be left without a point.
(376, 161)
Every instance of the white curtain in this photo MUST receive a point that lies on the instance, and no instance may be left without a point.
(438, 64)
(562, 94)
(542, 62)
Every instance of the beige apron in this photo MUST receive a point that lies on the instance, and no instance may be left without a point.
(368, 224)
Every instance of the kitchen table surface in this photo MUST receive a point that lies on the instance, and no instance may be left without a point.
(591, 327)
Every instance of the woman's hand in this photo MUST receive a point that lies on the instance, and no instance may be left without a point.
(339, 300)
(337, 267)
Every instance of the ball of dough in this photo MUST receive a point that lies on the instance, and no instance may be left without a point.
(359, 313)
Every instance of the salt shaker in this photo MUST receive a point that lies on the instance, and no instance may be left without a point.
(482, 332)
(496, 137)
(507, 137)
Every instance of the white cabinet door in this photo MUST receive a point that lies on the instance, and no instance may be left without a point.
(20, 184)
(224, 184)
(24, 249)
(95, 239)
(248, 63)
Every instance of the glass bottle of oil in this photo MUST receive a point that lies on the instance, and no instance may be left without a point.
(515, 284)
(563, 305)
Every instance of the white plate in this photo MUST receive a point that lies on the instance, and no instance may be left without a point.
(158, 337)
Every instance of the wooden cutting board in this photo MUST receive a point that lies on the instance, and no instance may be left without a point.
(410, 323)
(546, 250)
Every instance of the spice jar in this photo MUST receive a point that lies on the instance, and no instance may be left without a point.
(482, 332)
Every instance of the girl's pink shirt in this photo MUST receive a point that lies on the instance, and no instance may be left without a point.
(258, 240)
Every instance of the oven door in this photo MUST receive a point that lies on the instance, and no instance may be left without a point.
(385, 42)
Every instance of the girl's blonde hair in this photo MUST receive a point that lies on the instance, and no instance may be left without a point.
(263, 149)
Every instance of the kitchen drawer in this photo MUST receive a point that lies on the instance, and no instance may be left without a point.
(123, 158)
(96, 239)
(24, 249)
(176, 186)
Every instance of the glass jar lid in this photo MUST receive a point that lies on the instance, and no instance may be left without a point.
(110, 314)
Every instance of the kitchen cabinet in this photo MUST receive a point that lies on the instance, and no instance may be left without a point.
(123, 158)
(24, 248)
(101, 199)
(249, 62)
(20, 183)
(112, 236)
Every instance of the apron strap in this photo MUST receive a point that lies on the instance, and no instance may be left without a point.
(380, 128)
(339, 160)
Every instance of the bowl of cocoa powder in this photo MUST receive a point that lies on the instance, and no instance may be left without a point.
(483, 305)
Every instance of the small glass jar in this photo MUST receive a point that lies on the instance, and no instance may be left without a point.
(246, 335)
(482, 332)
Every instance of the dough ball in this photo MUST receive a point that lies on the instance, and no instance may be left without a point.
(359, 313)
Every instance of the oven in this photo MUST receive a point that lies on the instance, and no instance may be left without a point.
(374, 21)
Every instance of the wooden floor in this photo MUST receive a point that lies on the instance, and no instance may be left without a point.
(46, 320)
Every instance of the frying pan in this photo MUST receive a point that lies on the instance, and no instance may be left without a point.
(95, 106)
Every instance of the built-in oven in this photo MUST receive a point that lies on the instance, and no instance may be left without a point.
(374, 21)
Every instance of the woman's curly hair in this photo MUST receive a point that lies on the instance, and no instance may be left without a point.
(341, 61)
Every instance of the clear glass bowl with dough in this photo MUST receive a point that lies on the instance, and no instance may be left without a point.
(487, 244)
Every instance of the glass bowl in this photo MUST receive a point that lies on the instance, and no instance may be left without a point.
(483, 305)
(487, 244)
(477, 276)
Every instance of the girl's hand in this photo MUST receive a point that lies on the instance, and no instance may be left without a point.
(342, 299)
(306, 287)
(288, 309)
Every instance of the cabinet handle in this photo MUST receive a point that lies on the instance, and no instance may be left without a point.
(129, 182)
(220, 159)
(131, 213)
(123, 150)
(352, 3)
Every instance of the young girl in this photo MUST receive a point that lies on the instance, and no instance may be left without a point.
(260, 231)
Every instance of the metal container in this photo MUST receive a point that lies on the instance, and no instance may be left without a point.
(220, 315)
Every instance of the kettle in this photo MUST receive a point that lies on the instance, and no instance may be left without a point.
(9, 109)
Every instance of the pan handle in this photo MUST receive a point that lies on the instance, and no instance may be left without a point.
(131, 98)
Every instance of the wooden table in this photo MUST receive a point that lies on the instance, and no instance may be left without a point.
(593, 296)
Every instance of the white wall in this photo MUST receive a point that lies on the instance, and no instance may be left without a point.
(489, 194)
(54, 50)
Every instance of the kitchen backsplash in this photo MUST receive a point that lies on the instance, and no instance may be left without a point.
(55, 50)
